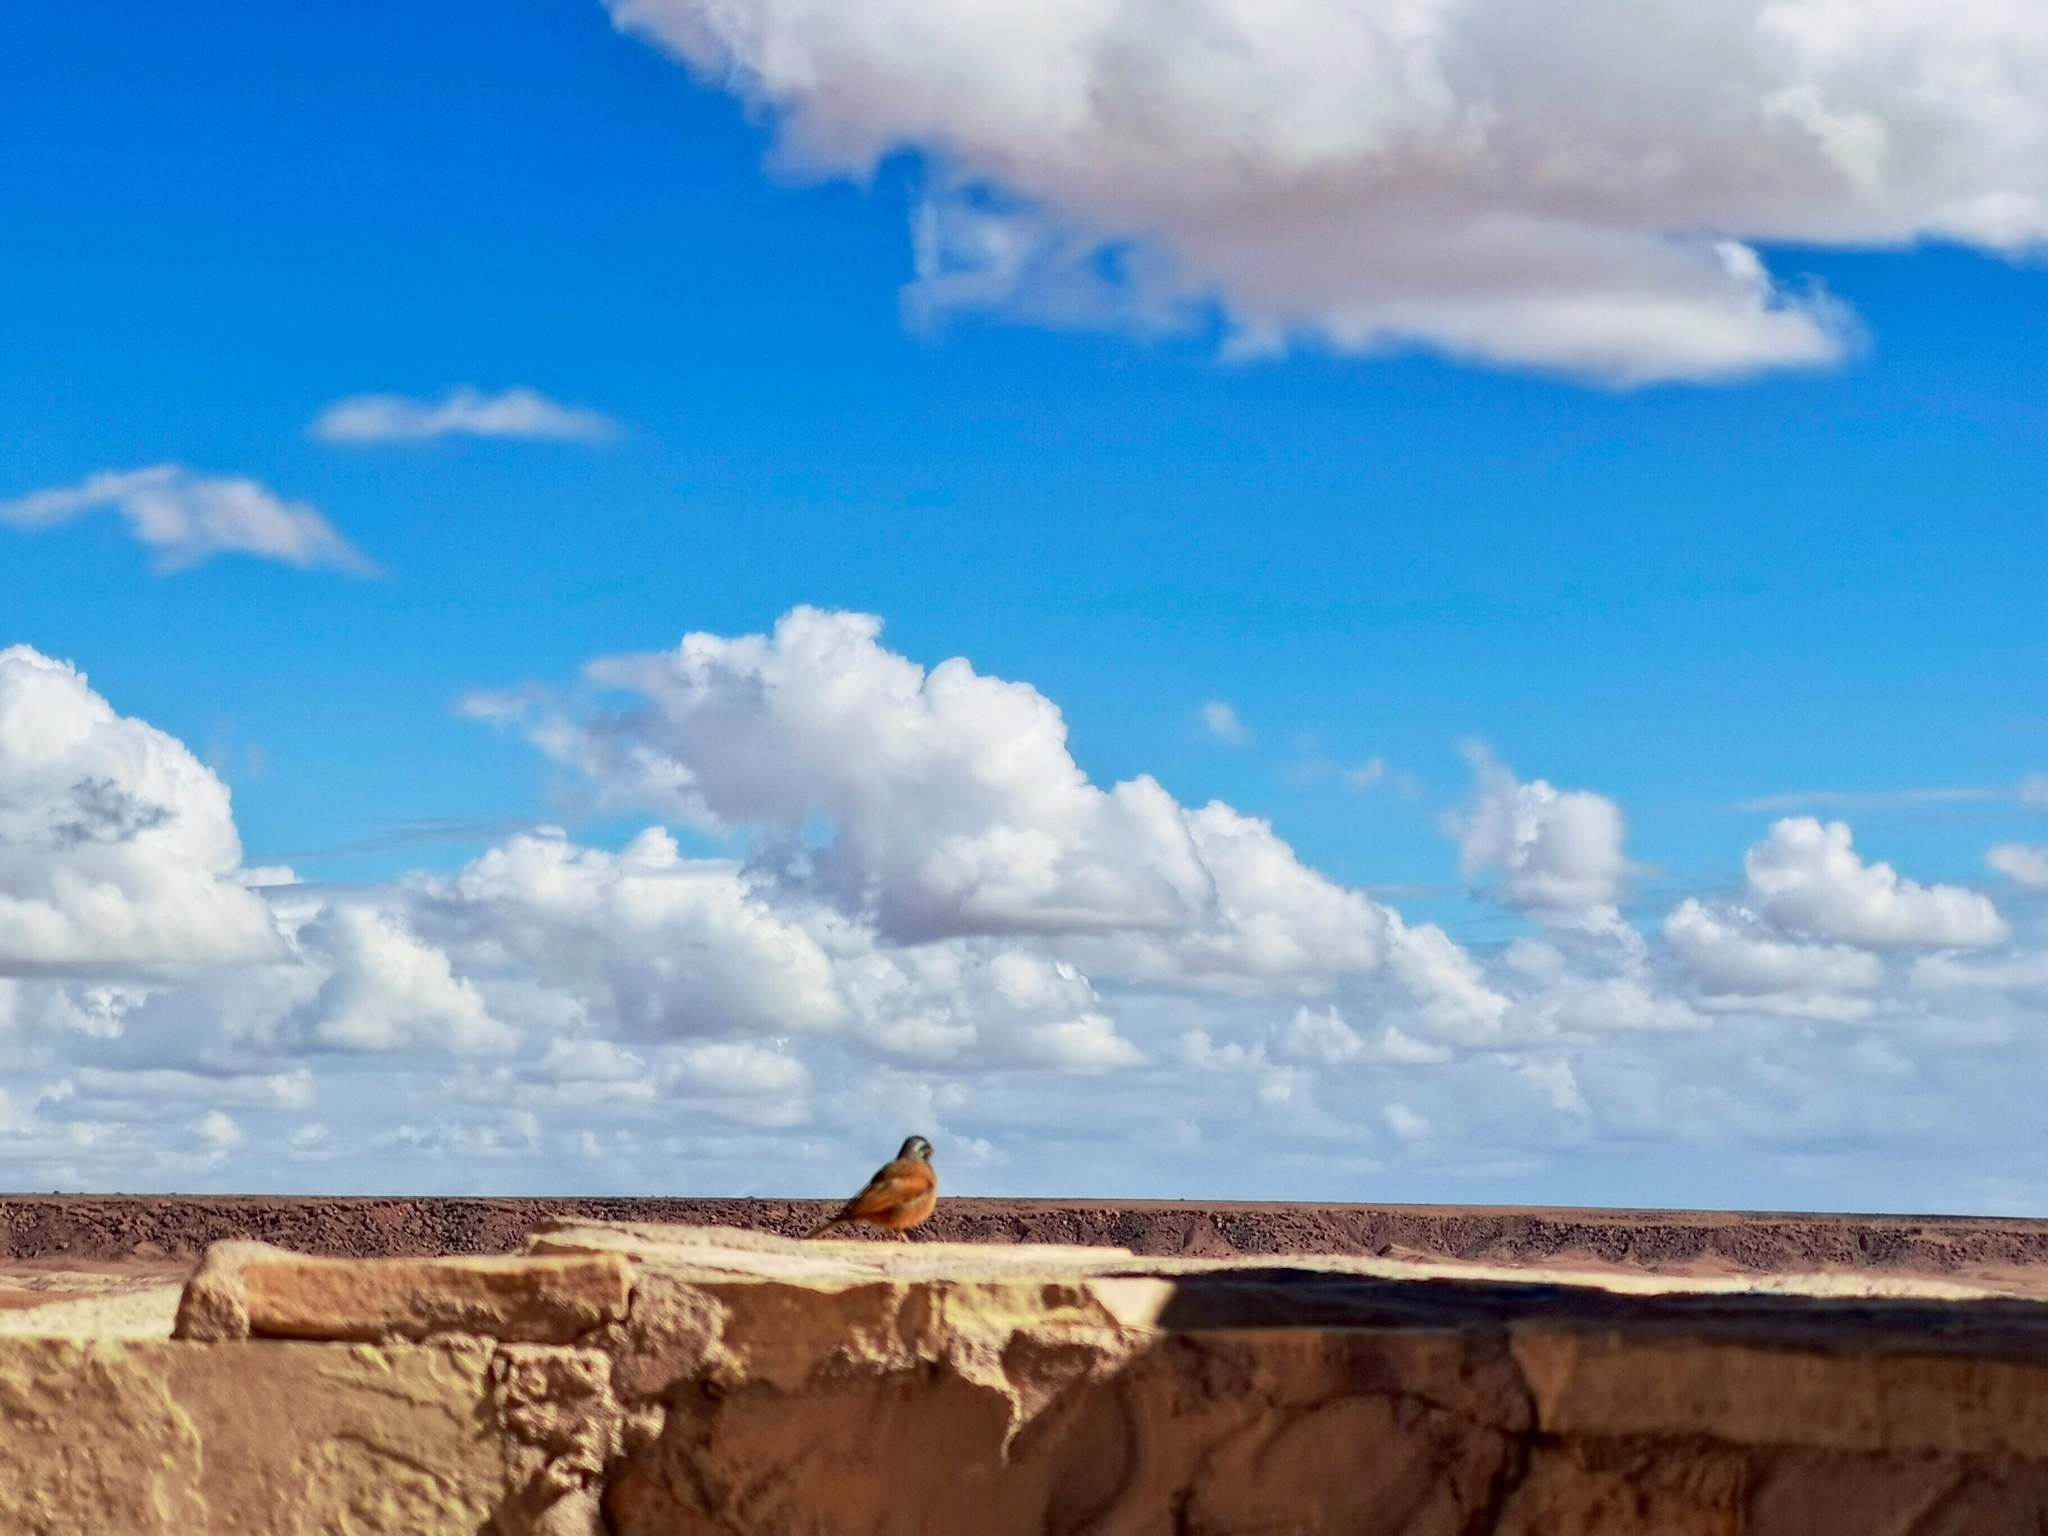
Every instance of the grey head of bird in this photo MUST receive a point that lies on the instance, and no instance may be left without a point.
(915, 1147)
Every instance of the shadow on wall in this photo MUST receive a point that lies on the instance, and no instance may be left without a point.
(1288, 1401)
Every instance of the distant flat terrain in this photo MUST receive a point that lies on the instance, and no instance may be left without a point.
(46, 1239)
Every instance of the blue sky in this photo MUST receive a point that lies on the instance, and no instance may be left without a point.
(1715, 594)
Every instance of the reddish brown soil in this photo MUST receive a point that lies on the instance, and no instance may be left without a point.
(83, 1232)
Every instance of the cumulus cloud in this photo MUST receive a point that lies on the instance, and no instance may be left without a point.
(118, 847)
(1556, 851)
(926, 916)
(952, 809)
(1810, 936)
(959, 1002)
(462, 412)
(1324, 1037)
(651, 945)
(1590, 974)
(1566, 186)
(388, 991)
(188, 519)
(1601, 980)
(1739, 959)
(741, 1080)
(955, 805)
(1808, 878)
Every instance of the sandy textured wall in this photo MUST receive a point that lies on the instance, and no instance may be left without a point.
(652, 1381)
(141, 1437)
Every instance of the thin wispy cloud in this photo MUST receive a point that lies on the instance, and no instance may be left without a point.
(188, 519)
(1312, 767)
(1220, 718)
(2021, 863)
(2032, 792)
(421, 832)
(462, 412)
(1366, 774)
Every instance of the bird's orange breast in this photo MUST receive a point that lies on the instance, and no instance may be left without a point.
(899, 1197)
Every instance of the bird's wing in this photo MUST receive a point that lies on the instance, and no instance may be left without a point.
(897, 1183)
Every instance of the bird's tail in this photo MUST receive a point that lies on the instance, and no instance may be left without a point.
(820, 1231)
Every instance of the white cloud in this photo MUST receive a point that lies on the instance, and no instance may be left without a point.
(308, 1143)
(1807, 878)
(1405, 1122)
(953, 809)
(220, 1133)
(1150, 999)
(1221, 719)
(739, 1067)
(389, 991)
(1323, 1037)
(1267, 916)
(2020, 862)
(517, 1134)
(1577, 1005)
(956, 806)
(1589, 979)
(1366, 774)
(1558, 1083)
(1196, 1050)
(188, 519)
(99, 1012)
(1556, 851)
(741, 1080)
(462, 412)
(1881, 800)
(2023, 973)
(586, 1061)
(291, 1089)
(1734, 955)
(1393, 1046)
(1454, 999)
(654, 945)
(1565, 186)
(117, 846)
(977, 1002)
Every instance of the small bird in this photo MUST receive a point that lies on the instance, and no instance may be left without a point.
(900, 1195)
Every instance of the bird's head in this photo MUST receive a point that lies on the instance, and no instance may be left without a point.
(915, 1147)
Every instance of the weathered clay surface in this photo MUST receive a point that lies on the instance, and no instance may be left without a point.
(253, 1290)
(689, 1380)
